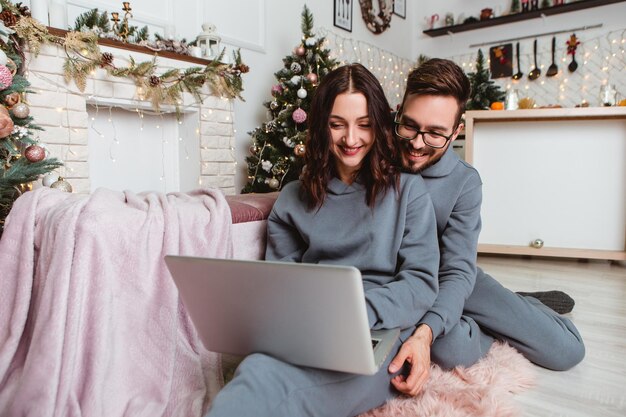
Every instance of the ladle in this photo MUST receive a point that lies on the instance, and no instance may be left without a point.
(519, 72)
(573, 65)
(535, 72)
(552, 69)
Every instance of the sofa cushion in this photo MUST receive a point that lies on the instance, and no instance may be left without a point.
(251, 207)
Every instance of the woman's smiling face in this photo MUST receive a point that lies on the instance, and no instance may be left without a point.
(352, 136)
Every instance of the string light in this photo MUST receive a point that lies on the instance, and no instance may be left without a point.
(387, 67)
(603, 60)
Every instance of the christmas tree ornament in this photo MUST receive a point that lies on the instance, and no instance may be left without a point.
(270, 126)
(50, 179)
(300, 51)
(295, 67)
(6, 77)
(295, 80)
(310, 41)
(12, 99)
(274, 183)
(3, 58)
(266, 165)
(302, 93)
(22, 188)
(312, 77)
(62, 185)
(299, 150)
(253, 149)
(277, 89)
(274, 105)
(35, 153)
(299, 115)
(21, 110)
(12, 66)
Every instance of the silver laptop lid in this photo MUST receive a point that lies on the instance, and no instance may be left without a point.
(304, 314)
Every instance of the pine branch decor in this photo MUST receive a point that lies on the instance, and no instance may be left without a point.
(93, 20)
(83, 56)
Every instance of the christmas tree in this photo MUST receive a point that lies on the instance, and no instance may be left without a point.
(484, 91)
(22, 159)
(515, 7)
(276, 156)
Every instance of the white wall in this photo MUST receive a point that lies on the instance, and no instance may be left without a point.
(267, 30)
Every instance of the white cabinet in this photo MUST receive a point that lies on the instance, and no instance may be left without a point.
(552, 176)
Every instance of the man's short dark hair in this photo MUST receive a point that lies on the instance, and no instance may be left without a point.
(439, 77)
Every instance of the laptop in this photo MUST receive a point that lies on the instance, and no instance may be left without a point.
(304, 314)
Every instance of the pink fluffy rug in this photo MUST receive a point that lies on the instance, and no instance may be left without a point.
(483, 390)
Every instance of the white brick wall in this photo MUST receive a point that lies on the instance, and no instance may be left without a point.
(61, 109)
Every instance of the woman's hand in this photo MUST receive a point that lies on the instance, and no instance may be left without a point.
(6, 123)
(416, 351)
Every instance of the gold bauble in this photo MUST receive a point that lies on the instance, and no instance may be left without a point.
(299, 150)
(62, 185)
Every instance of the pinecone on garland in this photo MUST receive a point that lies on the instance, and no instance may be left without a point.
(8, 18)
(154, 80)
(106, 59)
(24, 10)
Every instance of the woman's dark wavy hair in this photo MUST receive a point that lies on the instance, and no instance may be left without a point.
(379, 169)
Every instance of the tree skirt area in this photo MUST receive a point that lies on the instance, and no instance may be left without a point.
(485, 389)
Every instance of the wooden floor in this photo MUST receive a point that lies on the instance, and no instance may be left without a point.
(597, 386)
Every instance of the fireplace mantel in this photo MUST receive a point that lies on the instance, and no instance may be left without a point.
(61, 109)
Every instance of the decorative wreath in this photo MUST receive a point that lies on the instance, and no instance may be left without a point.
(379, 20)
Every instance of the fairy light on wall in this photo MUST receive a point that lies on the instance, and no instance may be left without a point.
(390, 69)
(601, 59)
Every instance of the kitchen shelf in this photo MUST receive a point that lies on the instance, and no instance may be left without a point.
(518, 17)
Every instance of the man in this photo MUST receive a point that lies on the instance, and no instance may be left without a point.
(472, 309)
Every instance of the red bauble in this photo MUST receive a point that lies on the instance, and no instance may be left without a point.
(312, 77)
(35, 153)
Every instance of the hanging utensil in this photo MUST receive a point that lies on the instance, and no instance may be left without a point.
(535, 72)
(552, 69)
(519, 72)
(572, 44)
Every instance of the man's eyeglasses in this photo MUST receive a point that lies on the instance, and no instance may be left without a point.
(432, 139)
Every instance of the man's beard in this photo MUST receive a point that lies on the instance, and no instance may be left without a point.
(407, 165)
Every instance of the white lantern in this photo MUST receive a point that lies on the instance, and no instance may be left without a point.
(208, 41)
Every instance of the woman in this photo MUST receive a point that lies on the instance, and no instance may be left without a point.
(351, 207)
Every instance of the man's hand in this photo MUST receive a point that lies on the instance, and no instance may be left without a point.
(416, 351)
(6, 124)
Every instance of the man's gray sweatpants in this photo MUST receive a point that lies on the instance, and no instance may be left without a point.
(493, 312)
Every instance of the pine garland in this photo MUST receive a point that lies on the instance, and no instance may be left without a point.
(83, 56)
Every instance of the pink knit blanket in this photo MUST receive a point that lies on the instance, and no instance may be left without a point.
(90, 320)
